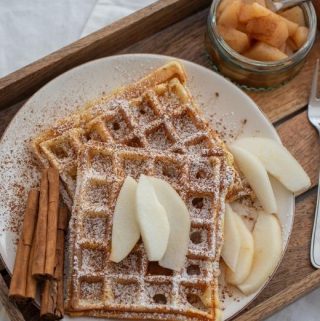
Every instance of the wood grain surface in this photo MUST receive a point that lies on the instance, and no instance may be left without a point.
(284, 297)
(156, 30)
(302, 140)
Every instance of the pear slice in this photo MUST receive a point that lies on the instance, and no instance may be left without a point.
(152, 220)
(179, 221)
(125, 229)
(257, 177)
(245, 259)
(267, 252)
(278, 162)
(232, 242)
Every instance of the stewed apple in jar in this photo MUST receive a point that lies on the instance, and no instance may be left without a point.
(257, 47)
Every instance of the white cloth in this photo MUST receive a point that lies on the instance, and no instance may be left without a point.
(107, 11)
(31, 29)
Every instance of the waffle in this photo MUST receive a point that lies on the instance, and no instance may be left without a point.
(134, 288)
(157, 112)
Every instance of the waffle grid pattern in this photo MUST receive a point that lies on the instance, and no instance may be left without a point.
(151, 127)
(162, 118)
(157, 111)
(103, 288)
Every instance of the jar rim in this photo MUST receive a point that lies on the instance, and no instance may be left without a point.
(248, 63)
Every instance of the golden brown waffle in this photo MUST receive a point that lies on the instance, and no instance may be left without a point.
(157, 111)
(134, 288)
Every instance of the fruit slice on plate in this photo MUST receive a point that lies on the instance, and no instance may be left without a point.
(278, 162)
(232, 242)
(267, 252)
(152, 219)
(246, 252)
(257, 177)
(125, 229)
(179, 221)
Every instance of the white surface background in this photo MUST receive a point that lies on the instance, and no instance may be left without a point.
(30, 29)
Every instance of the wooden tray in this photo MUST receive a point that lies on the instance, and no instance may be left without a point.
(177, 27)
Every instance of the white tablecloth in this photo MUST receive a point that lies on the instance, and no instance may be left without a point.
(30, 29)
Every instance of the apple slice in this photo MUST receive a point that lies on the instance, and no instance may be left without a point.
(179, 221)
(267, 252)
(232, 242)
(257, 177)
(278, 162)
(152, 219)
(125, 228)
(245, 259)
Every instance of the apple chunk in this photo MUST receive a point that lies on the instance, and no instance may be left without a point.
(278, 162)
(231, 246)
(260, 2)
(255, 11)
(294, 14)
(267, 252)
(152, 220)
(125, 228)
(300, 36)
(257, 177)
(229, 16)
(292, 27)
(179, 221)
(264, 52)
(237, 40)
(223, 4)
(250, 11)
(245, 259)
(271, 29)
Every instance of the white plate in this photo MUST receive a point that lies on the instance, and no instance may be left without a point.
(224, 104)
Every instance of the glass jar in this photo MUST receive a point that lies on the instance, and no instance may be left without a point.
(252, 73)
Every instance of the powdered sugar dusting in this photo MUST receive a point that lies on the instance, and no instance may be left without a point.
(172, 122)
(84, 84)
(133, 283)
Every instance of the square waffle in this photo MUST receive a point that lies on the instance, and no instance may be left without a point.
(136, 288)
(157, 112)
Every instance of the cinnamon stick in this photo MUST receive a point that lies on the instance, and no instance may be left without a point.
(52, 305)
(18, 286)
(39, 259)
(52, 222)
(31, 286)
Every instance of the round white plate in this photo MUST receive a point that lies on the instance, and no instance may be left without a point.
(225, 105)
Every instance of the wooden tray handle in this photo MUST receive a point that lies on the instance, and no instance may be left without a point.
(283, 298)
